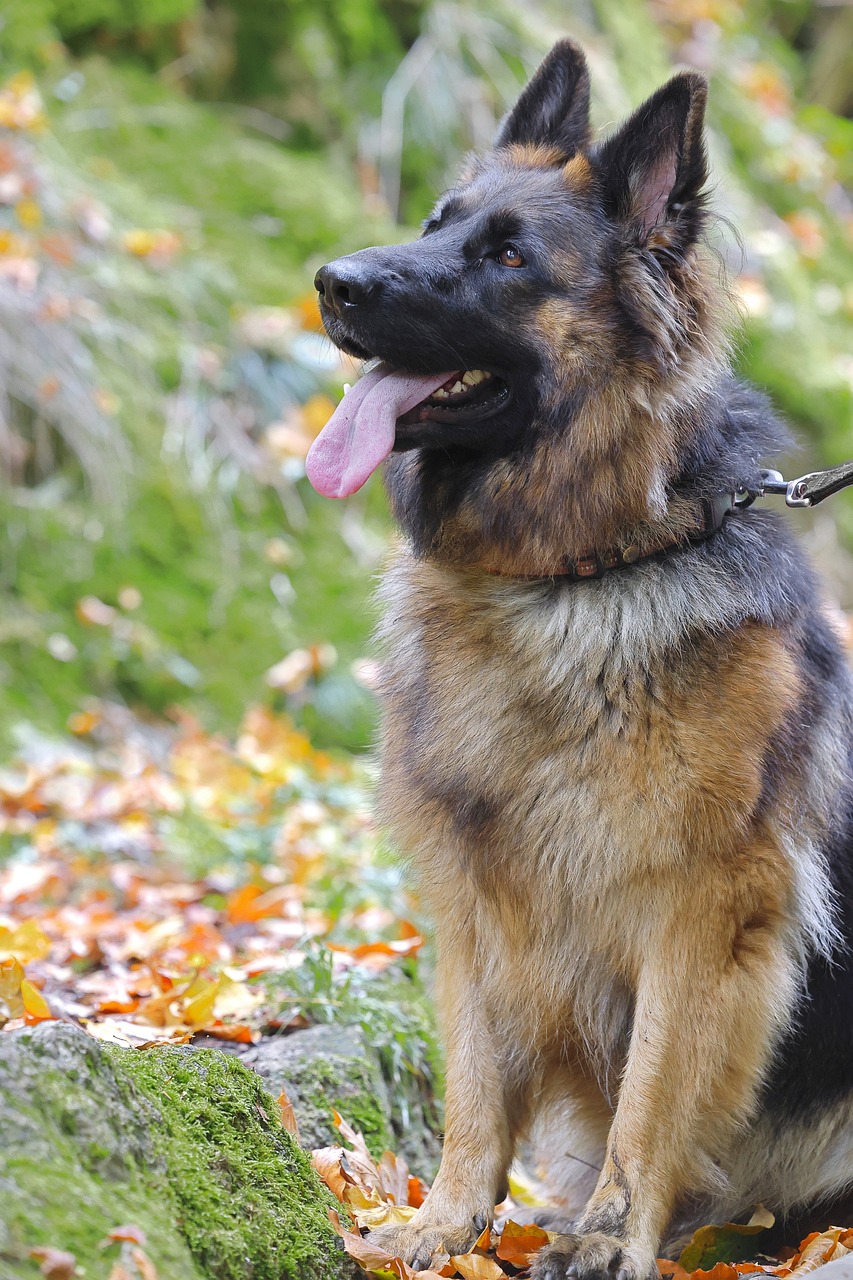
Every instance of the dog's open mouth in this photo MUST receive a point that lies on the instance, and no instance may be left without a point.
(363, 429)
(466, 396)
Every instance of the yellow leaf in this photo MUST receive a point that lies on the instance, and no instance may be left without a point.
(34, 1002)
(382, 1215)
(235, 999)
(199, 1011)
(28, 214)
(27, 942)
(11, 977)
(474, 1266)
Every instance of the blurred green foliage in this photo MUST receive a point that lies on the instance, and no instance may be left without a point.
(265, 136)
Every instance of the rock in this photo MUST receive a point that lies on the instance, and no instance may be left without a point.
(840, 1269)
(185, 1144)
(325, 1069)
(328, 1068)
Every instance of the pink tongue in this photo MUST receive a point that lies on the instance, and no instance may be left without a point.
(360, 433)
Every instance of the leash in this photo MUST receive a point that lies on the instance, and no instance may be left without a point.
(712, 512)
(806, 491)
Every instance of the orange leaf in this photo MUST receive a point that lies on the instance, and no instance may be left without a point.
(328, 1163)
(127, 1232)
(288, 1115)
(239, 909)
(518, 1244)
(816, 1249)
(417, 1192)
(239, 1031)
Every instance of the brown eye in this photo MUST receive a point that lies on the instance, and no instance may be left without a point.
(509, 256)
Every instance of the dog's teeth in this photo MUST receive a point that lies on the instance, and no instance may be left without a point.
(441, 394)
(347, 387)
(456, 388)
(470, 377)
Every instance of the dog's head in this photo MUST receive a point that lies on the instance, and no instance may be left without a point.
(557, 272)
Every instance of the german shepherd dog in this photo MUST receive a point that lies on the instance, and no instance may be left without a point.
(618, 723)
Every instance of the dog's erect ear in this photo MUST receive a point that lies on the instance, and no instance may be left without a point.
(553, 109)
(653, 169)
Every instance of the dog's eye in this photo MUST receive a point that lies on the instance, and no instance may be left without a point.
(509, 256)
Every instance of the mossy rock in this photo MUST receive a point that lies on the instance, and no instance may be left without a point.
(185, 1144)
(323, 1070)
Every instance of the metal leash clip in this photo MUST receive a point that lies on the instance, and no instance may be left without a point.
(808, 490)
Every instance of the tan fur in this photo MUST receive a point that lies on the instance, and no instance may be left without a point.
(532, 155)
(578, 172)
(565, 904)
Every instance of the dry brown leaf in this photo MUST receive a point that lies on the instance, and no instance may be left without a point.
(476, 1266)
(288, 1115)
(818, 1248)
(394, 1172)
(328, 1163)
(371, 1257)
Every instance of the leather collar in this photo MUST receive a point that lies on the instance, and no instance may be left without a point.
(711, 513)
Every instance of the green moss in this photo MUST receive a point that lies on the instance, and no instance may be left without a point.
(246, 1199)
(186, 1145)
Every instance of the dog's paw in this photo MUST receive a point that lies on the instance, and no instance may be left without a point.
(592, 1257)
(418, 1244)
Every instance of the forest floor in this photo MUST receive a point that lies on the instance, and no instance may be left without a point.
(163, 887)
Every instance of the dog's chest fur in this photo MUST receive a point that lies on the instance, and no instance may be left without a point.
(558, 762)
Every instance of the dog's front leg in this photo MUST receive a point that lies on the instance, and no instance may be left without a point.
(478, 1139)
(713, 982)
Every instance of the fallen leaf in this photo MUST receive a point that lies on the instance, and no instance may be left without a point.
(729, 1242)
(25, 943)
(288, 1115)
(518, 1244)
(328, 1163)
(129, 1232)
(380, 1215)
(417, 1192)
(56, 1264)
(818, 1248)
(198, 1011)
(476, 1266)
(35, 1005)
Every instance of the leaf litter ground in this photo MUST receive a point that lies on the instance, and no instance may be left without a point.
(160, 883)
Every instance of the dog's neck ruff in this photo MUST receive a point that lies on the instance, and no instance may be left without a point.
(710, 515)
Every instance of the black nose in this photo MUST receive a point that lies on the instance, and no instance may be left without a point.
(341, 287)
